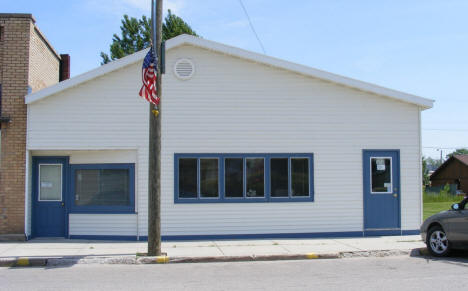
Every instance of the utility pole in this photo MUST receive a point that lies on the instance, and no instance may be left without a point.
(154, 163)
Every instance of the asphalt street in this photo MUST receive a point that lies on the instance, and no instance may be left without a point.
(388, 273)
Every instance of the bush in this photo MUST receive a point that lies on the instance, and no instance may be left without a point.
(443, 196)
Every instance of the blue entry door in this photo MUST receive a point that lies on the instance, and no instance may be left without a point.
(49, 197)
(381, 190)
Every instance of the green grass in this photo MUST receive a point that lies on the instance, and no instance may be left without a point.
(442, 197)
(431, 208)
(435, 203)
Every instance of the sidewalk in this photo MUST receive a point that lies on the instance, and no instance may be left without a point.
(214, 250)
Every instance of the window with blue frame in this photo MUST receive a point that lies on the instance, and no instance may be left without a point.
(103, 188)
(205, 178)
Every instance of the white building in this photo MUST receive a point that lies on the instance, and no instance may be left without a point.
(252, 146)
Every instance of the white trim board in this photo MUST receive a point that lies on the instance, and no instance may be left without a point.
(185, 39)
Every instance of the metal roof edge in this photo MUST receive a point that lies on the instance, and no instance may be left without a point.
(424, 103)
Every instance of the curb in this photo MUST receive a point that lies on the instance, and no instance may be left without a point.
(23, 262)
(132, 260)
(219, 259)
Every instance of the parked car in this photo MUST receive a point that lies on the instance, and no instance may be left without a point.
(447, 230)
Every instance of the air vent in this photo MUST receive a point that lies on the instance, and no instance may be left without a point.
(184, 69)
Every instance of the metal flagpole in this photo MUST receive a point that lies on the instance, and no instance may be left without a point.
(154, 162)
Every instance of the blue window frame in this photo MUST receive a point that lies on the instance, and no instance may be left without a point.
(102, 188)
(240, 178)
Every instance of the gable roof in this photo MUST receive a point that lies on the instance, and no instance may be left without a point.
(461, 158)
(237, 52)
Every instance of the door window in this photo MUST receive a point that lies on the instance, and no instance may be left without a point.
(50, 182)
(381, 175)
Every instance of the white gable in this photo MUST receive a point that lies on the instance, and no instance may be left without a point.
(237, 52)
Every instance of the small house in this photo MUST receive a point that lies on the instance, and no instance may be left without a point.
(454, 171)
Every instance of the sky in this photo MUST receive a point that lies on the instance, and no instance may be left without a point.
(418, 47)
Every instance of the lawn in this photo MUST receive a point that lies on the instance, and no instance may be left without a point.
(431, 208)
(435, 203)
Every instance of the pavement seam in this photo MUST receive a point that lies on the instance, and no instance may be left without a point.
(284, 248)
(348, 245)
(219, 248)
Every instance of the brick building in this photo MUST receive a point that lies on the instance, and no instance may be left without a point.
(28, 63)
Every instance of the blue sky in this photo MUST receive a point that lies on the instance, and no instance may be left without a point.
(419, 47)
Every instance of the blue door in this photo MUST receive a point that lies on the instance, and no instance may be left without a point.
(381, 191)
(49, 184)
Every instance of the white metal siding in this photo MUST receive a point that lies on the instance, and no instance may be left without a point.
(103, 224)
(232, 105)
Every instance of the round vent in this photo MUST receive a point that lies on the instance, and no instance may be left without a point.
(184, 69)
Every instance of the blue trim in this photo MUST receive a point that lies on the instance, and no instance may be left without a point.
(102, 209)
(344, 234)
(36, 160)
(410, 232)
(106, 237)
(221, 195)
(382, 232)
(366, 173)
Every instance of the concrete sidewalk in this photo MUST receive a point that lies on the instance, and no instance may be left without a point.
(60, 248)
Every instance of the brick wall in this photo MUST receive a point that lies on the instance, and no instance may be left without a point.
(44, 63)
(26, 59)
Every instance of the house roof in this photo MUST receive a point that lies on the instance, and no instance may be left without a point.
(462, 158)
(237, 52)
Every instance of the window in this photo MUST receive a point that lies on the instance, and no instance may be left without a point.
(381, 175)
(255, 172)
(279, 170)
(234, 177)
(50, 182)
(300, 177)
(198, 178)
(188, 178)
(103, 188)
(206, 178)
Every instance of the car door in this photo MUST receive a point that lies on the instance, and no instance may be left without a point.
(457, 226)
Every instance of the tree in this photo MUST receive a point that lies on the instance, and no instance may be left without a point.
(425, 172)
(461, 151)
(429, 165)
(136, 35)
(433, 164)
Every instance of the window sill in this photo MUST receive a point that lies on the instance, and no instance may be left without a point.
(102, 211)
(247, 200)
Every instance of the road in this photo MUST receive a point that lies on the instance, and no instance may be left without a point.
(389, 273)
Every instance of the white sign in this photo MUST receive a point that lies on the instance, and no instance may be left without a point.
(388, 186)
(47, 184)
(380, 164)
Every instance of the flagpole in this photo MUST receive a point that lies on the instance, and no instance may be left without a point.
(154, 157)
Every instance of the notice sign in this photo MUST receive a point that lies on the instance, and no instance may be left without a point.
(388, 186)
(46, 185)
(380, 164)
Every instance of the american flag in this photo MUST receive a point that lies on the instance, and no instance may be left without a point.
(148, 90)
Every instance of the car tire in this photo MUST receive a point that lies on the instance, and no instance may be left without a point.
(437, 242)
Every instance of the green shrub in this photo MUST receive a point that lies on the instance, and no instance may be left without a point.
(443, 196)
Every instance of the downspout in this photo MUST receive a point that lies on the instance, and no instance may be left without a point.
(420, 169)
